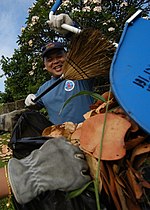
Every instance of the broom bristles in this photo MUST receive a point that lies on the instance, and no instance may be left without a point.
(90, 55)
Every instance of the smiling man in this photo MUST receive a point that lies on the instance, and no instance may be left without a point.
(54, 55)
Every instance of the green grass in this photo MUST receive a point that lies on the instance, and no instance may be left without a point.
(4, 140)
(3, 206)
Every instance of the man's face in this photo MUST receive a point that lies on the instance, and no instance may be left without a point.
(54, 61)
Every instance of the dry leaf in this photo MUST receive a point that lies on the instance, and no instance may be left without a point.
(104, 178)
(134, 142)
(119, 110)
(66, 129)
(113, 142)
(76, 134)
(139, 176)
(141, 161)
(93, 165)
(5, 149)
(5, 153)
(137, 189)
(134, 126)
(88, 114)
(53, 131)
(102, 107)
(132, 205)
(69, 126)
(121, 196)
(112, 188)
(140, 149)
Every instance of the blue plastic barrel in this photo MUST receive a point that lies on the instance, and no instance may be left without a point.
(130, 71)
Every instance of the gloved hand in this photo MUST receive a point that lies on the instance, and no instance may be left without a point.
(28, 100)
(56, 165)
(57, 20)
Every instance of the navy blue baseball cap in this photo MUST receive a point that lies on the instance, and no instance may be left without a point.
(51, 46)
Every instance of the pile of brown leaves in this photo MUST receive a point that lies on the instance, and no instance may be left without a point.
(5, 151)
(125, 153)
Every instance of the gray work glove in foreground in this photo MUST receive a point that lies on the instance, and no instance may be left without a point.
(57, 20)
(57, 165)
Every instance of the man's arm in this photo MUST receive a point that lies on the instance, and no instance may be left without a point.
(4, 188)
(57, 165)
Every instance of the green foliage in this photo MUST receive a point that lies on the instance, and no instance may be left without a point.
(24, 70)
(77, 192)
(3, 206)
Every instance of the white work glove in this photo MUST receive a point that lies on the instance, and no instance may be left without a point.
(28, 100)
(56, 22)
(57, 165)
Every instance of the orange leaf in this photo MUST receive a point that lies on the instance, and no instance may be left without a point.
(76, 134)
(145, 184)
(130, 196)
(141, 161)
(112, 188)
(104, 178)
(125, 194)
(132, 205)
(66, 129)
(134, 126)
(137, 189)
(121, 196)
(139, 176)
(134, 142)
(140, 149)
(113, 142)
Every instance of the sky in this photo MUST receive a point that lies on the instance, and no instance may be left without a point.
(13, 14)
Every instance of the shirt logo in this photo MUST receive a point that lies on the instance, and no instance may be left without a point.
(69, 85)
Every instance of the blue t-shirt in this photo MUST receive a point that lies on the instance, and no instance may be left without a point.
(54, 100)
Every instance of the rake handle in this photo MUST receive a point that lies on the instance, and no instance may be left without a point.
(64, 26)
(56, 5)
(48, 89)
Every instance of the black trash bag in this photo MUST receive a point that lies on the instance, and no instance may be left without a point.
(26, 137)
(56, 200)
(29, 124)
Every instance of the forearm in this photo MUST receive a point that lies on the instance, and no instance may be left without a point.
(44, 169)
(4, 187)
